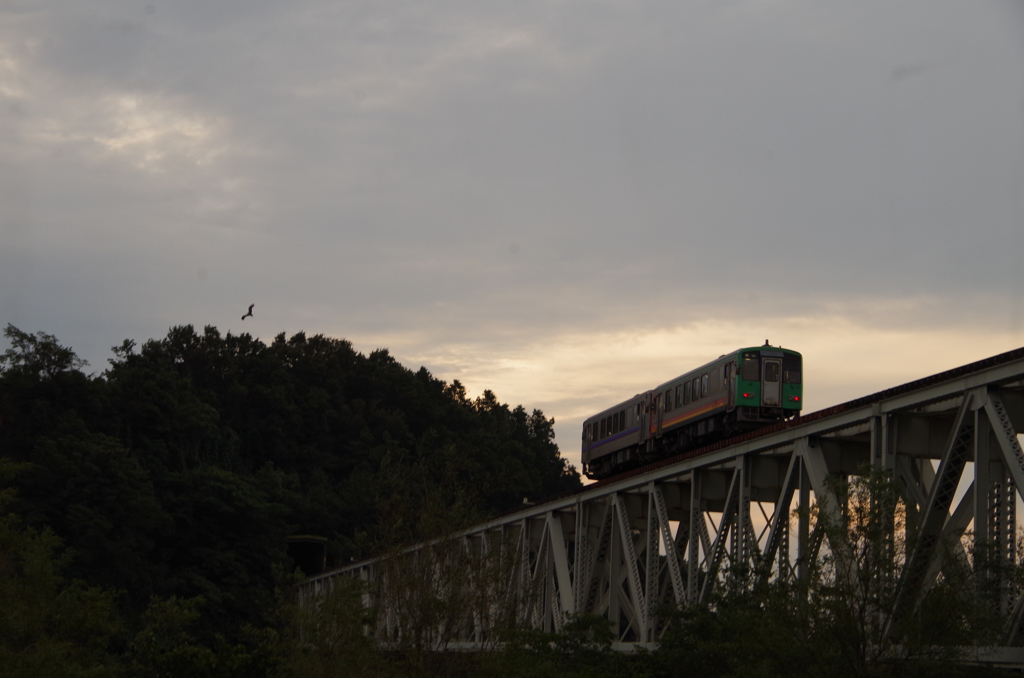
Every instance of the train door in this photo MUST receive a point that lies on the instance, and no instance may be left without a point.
(659, 410)
(643, 427)
(729, 380)
(771, 384)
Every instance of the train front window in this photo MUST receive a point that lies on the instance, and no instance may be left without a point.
(771, 371)
(750, 370)
(791, 369)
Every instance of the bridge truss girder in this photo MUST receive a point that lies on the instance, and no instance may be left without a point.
(676, 533)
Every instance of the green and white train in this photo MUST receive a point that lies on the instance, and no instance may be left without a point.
(738, 392)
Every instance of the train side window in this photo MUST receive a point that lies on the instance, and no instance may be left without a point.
(686, 393)
(750, 370)
(668, 400)
(704, 386)
(696, 388)
(622, 420)
(679, 395)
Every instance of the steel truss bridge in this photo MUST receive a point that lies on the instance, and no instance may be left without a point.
(673, 531)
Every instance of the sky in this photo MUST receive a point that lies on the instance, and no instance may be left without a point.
(563, 201)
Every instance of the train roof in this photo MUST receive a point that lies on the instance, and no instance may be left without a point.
(617, 406)
(719, 359)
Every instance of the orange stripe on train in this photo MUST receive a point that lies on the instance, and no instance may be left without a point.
(691, 414)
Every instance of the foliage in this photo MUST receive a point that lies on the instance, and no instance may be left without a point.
(330, 634)
(166, 646)
(37, 355)
(861, 579)
(839, 618)
(49, 625)
(178, 473)
(582, 648)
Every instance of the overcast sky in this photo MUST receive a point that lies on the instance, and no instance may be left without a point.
(565, 201)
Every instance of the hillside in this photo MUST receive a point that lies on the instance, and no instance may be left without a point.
(181, 470)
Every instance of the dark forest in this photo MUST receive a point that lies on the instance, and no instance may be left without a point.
(170, 482)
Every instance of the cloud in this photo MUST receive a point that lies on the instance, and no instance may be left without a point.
(538, 193)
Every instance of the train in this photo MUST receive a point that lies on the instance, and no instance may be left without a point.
(737, 392)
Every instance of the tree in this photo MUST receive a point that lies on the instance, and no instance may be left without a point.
(49, 625)
(167, 645)
(180, 471)
(835, 620)
(38, 355)
(329, 634)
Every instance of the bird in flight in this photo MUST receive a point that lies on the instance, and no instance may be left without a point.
(249, 314)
